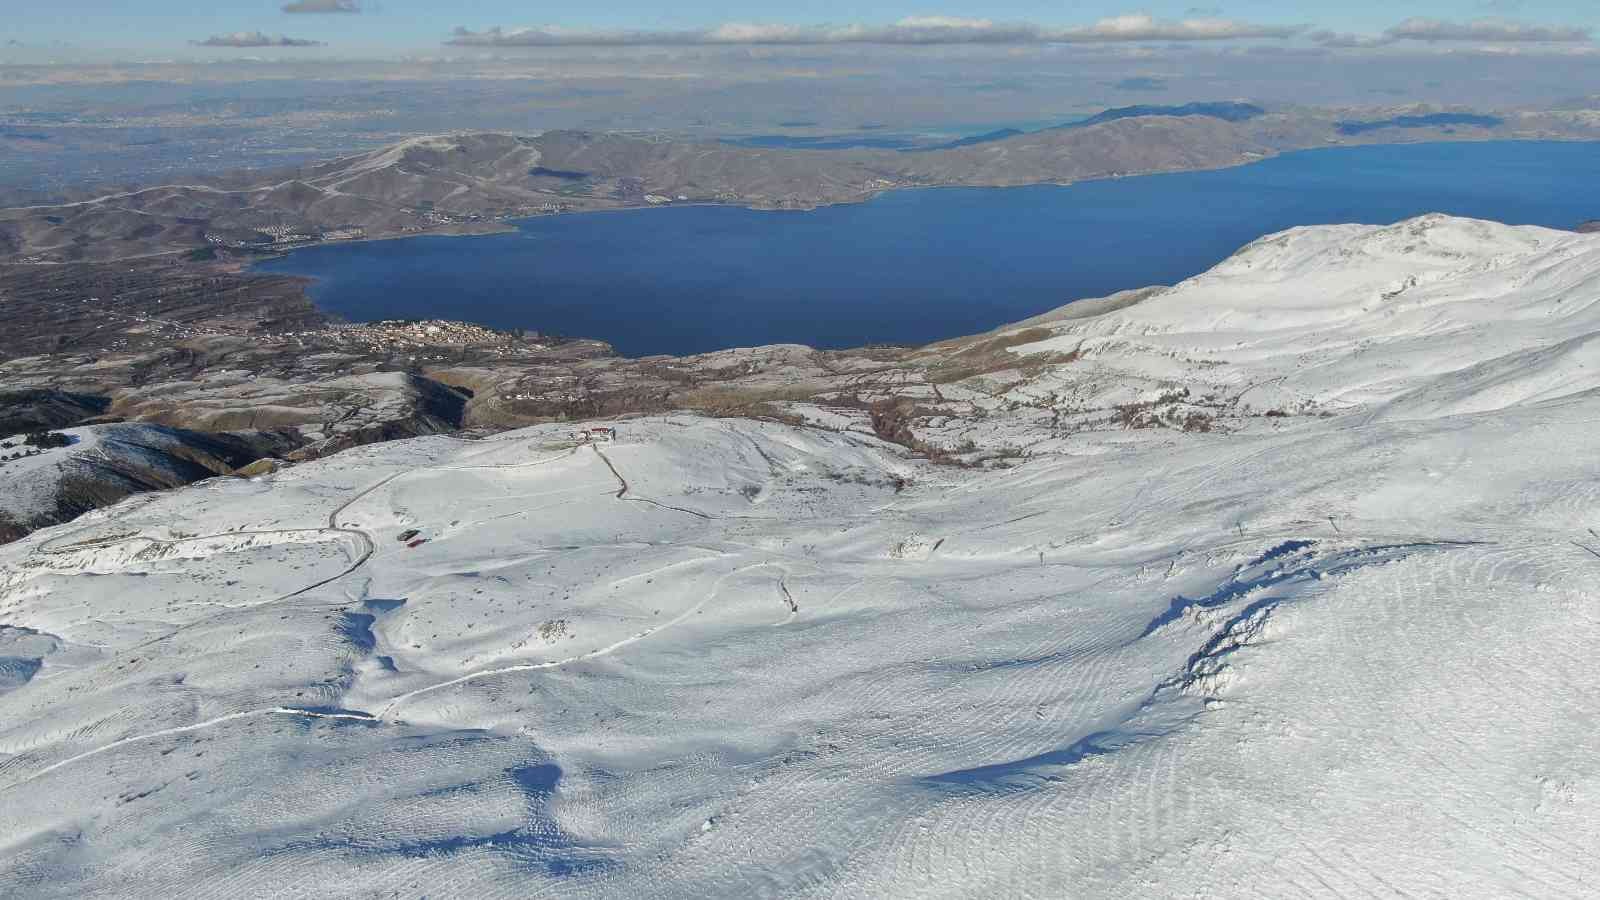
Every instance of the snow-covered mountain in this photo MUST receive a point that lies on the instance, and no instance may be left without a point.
(1334, 637)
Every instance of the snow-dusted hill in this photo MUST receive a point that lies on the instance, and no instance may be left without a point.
(1345, 651)
(105, 463)
(1431, 316)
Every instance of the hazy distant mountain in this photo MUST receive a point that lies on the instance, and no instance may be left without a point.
(467, 182)
(1226, 111)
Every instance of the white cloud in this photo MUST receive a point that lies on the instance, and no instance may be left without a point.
(915, 30)
(1140, 27)
(323, 6)
(254, 39)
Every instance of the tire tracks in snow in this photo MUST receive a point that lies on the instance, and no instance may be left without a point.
(622, 492)
(186, 729)
(607, 650)
(369, 548)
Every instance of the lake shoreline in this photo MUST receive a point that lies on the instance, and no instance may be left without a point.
(691, 264)
(1264, 156)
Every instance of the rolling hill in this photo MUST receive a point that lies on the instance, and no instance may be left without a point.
(1279, 581)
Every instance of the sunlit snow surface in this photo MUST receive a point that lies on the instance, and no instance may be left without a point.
(1330, 656)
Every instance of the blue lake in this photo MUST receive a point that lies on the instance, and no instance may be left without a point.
(917, 266)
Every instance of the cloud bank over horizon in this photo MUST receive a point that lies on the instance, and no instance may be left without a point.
(1433, 31)
(1487, 31)
(912, 31)
(255, 39)
(930, 31)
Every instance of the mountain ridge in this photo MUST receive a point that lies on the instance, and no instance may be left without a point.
(468, 183)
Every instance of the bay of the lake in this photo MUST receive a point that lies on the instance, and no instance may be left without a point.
(915, 266)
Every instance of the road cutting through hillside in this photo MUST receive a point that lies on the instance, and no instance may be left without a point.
(624, 490)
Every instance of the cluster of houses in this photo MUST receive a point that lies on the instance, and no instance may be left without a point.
(283, 234)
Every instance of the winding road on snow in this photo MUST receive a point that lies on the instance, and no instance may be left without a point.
(368, 549)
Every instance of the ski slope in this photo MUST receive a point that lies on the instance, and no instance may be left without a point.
(1342, 653)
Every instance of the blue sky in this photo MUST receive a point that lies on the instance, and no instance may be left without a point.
(167, 26)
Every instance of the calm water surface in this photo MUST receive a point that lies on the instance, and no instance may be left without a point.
(918, 266)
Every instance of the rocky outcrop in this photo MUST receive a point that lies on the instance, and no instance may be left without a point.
(431, 408)
(198, 428)
(41, 409)
(108, 463)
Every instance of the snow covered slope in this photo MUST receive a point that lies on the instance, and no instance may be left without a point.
(1327, 656)
(1335, 317)
(105, 463)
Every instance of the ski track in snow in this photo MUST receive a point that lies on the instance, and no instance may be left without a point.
(185, 729)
